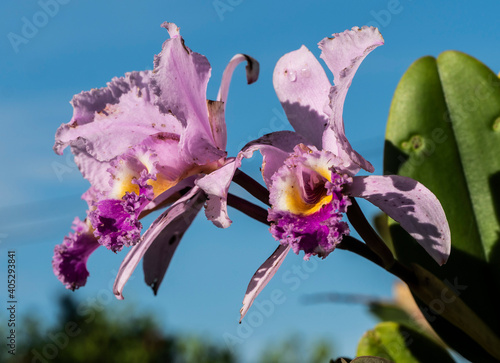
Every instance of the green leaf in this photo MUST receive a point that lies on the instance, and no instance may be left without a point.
(444, 131)
(382, 228)
(399, 343)
(447, 304)
(389, 312)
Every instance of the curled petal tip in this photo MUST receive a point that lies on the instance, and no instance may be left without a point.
(252, 69)
(173, 30)
(365, 32)
(252, 72)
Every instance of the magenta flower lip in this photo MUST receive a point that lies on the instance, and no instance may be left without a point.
(70, 257)
(308, 202)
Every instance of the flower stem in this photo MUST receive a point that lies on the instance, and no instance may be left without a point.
(250, 209)
(348, 243)
(252, 186)
(397, 269)
(354, 245)
(368, 234)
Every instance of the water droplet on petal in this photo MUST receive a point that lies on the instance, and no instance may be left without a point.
(292, 76)
(305, 72)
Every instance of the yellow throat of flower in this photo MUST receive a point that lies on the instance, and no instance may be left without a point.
(295, 201)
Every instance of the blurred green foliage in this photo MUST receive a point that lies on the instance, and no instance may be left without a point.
(124, 337)
(108, 338)
(293, 350)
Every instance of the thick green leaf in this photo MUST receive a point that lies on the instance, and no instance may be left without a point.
(400, 344)
(444, 131)
(382, 228)
(472, 94)
(390, 312)
(447, 304)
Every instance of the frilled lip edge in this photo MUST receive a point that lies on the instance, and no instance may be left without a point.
(69, 262)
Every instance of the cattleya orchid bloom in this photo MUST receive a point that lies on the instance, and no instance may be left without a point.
(311, 173)
(142, 142)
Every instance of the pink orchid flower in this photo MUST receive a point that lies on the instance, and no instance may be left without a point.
(142, 142)
(311, 173)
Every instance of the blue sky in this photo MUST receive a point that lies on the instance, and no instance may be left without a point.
(79, 45)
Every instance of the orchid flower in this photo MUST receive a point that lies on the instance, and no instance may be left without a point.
(142, 142)
(311, 173)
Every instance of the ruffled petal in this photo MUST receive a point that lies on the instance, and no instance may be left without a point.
(70, 258)
(412, 205)
(343, 54)
(302, 88)
(123, 109)
(180, 83)
(263, 275)
(181, 213)
(317, 234)
(95, 171)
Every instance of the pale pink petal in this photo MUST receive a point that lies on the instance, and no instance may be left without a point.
(180, 79)
(160, 252)
(275, 148)
(180, 213)
(412, 205)
(343, 54)
(165, 148)
(216, 186)
(159, 153)
(263, 275)
(123, 109)
(93, 170)
(302, 88)
(216, 109)
(252, 69)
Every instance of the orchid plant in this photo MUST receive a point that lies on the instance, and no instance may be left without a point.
(151, 140)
